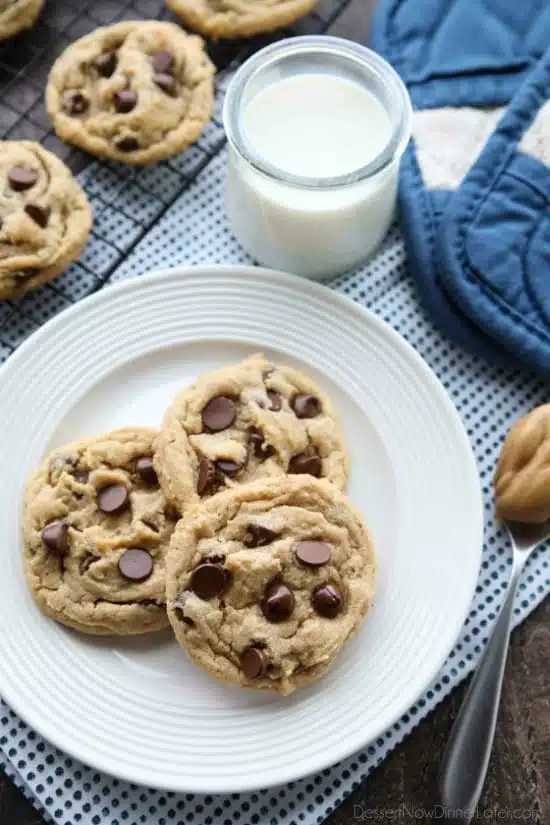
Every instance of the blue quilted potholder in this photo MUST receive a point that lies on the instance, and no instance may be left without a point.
(462, 61)
(495, 236)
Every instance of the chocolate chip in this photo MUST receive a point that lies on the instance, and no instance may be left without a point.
(106, 63)
(327, 600)
(146, 471)
(163, 62)
(219, 414)
(254, 663)
(127, 144)
(39, 214)
(113, 499)
(86, 562)
(256, 439)
(82, 476)
(208, 580)
(20, 178)
(258, 536)
(313, 553)
(75, 103)
(125, 100)
(181, 617)
(167, 83)
(227, 467)
(306, 406)
(278, 602)
(309, 463)
(207, 478)
(55, 537)
(276, 402)
(136, 564)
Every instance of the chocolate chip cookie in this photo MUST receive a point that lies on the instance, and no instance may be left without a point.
(45, 218)
(243, 422)
(16, 15)
(265, 582)
(96, 530)
(136, 92)
(239, 18)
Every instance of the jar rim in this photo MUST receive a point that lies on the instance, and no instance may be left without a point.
(354, 54)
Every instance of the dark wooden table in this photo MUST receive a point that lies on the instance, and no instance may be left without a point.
(403, 788)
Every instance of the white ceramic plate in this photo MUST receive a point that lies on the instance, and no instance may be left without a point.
(137, 708)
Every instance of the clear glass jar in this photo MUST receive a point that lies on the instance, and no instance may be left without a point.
(324, 225)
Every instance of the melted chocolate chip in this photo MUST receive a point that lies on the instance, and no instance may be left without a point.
(113, 499)
(313, 553)
(146, 471)
(327, 601)
(21, 178)
(275, 401)
(278, 602)
(125, 100)
(75, 103)
(163, 62)
(208, 580)
(39, 214)
(82, 476)
(258, 536)
(207, 478)
(86, 562)
(167, 83)
(310, 463)
(219, 414)
(228, 467)
(306, 406)
(256, 440)
(106, 63)
(55, 537)
(136, 564)
(127, 144)
(254, 663)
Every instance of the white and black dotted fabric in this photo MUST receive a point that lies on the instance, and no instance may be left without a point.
(193, 230)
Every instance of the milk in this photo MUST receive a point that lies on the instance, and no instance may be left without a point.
(316, 125)
(288, 200)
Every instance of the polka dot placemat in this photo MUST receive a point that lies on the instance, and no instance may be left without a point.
(193, 230)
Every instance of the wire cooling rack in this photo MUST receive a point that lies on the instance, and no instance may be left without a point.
(126, 201)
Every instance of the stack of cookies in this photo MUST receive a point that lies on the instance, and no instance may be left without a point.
(229, 524)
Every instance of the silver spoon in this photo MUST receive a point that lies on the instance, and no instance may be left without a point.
(468, 750)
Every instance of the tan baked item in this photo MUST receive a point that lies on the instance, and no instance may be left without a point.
(239, 18)
(136, 92)
(522, 477)
(244, 422)
(266, 581)
(17, 15)
(96, 530)
(45, 219)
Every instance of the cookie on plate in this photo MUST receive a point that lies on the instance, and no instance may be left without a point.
(239, 18)
(136, 92)
(243, 422)
(16, 15)
(45, 219)
(265, 582)
(96, 531)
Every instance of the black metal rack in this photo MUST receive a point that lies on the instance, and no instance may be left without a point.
(126, 201)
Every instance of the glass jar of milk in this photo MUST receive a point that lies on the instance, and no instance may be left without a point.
(316, 129)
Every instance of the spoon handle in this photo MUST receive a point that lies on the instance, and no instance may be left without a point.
(468, 750)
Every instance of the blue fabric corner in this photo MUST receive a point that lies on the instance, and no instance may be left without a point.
(466, 52)
(494, 240)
